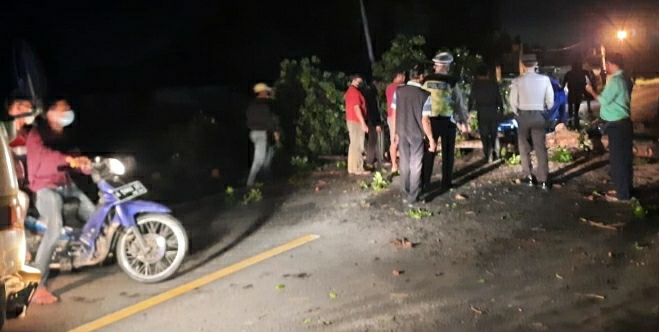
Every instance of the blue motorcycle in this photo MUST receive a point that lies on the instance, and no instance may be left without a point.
(149, 243)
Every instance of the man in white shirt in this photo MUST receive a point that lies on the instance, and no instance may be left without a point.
(531, 95)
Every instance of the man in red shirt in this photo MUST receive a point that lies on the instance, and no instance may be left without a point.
(391, 118)
(355, 118)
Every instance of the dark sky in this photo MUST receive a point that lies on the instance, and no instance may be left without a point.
(119, 45)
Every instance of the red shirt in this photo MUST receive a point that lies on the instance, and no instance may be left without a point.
(354, 97)
(389, 93)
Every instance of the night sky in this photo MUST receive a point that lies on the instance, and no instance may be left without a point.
(89, 46)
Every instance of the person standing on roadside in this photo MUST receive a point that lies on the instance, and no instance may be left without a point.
(412, 107)
(357, 127)
(263, 128)
(391, 119)
(448, 112)
(531, 95)
(374, 122)
(575, 81)
(615, 101)
(485, 98)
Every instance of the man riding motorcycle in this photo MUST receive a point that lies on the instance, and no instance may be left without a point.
(47, 160)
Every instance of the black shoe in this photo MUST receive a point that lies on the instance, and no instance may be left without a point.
(546, 186)
(529, 181)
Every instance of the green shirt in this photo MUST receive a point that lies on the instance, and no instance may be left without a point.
(615, 100)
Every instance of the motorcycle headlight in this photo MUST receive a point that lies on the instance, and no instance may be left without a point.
(116, 166)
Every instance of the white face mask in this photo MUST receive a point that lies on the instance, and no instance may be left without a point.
(29, 120)
(66, 118)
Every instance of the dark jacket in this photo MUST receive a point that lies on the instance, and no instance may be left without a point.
(409, 111)
(485, 98)
(373, 115)
(260, 116)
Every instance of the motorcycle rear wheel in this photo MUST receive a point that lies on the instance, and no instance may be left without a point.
(167, 242)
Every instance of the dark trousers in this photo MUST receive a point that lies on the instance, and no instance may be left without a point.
(372, 144)
(532, 126)
(411, 162)
(441, 127)
(573, 112)
(621, 156)
(488, 129)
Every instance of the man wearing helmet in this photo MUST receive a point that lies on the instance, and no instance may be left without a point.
(448, 112)
(262, 126)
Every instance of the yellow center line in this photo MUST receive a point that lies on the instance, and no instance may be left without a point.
(172, 293)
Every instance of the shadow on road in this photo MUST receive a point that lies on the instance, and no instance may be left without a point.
(206, 236)
(567, 177)
(469, 173)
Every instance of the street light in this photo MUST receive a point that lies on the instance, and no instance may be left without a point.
(622, 34)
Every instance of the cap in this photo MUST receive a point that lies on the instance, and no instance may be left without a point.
(261, 87)
(443, 58)
(529, 60)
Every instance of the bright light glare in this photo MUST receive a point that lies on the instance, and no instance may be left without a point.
(622, 34)
(116, 166)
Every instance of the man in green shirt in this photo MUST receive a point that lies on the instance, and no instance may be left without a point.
(615, 102)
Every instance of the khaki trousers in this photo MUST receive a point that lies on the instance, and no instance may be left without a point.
(356, 148)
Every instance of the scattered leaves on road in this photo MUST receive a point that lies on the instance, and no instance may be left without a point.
(280, 286)
(403, 243)
(396, 273)
(613, 227)
(592, 296)
(476, 310)
(460, 197)
(558, 276)
(418, 213)
(333, 295)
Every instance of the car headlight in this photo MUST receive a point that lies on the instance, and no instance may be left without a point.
(116, 166)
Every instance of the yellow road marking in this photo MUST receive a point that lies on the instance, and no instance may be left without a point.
(172, 293)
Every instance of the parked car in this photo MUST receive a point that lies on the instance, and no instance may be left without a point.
(17, 280)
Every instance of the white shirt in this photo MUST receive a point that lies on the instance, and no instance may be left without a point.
(531, 92)
(427, 106)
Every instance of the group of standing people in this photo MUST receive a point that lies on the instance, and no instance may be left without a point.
(424, 108)
(428, 107)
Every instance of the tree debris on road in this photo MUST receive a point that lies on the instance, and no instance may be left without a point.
(403, 243)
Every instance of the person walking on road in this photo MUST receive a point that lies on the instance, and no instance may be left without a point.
(448, 109)
(531, 95)
(391, 119)
(263, 128)
(357, 127)
(485, 98)
(412, 107)
(615, 101)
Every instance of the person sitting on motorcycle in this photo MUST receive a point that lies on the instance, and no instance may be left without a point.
(18, 106)
(48, 160)
(21, 111)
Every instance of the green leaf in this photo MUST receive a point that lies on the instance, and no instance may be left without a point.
(332, 295)
(280, 286)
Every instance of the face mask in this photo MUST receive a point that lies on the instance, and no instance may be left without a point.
(66, 118)
(29, 120)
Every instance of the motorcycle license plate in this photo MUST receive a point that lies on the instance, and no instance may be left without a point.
(129, 191)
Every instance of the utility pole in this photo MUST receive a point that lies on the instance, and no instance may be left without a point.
(369, 45)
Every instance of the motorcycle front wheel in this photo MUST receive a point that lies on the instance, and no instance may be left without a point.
(166, 244)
